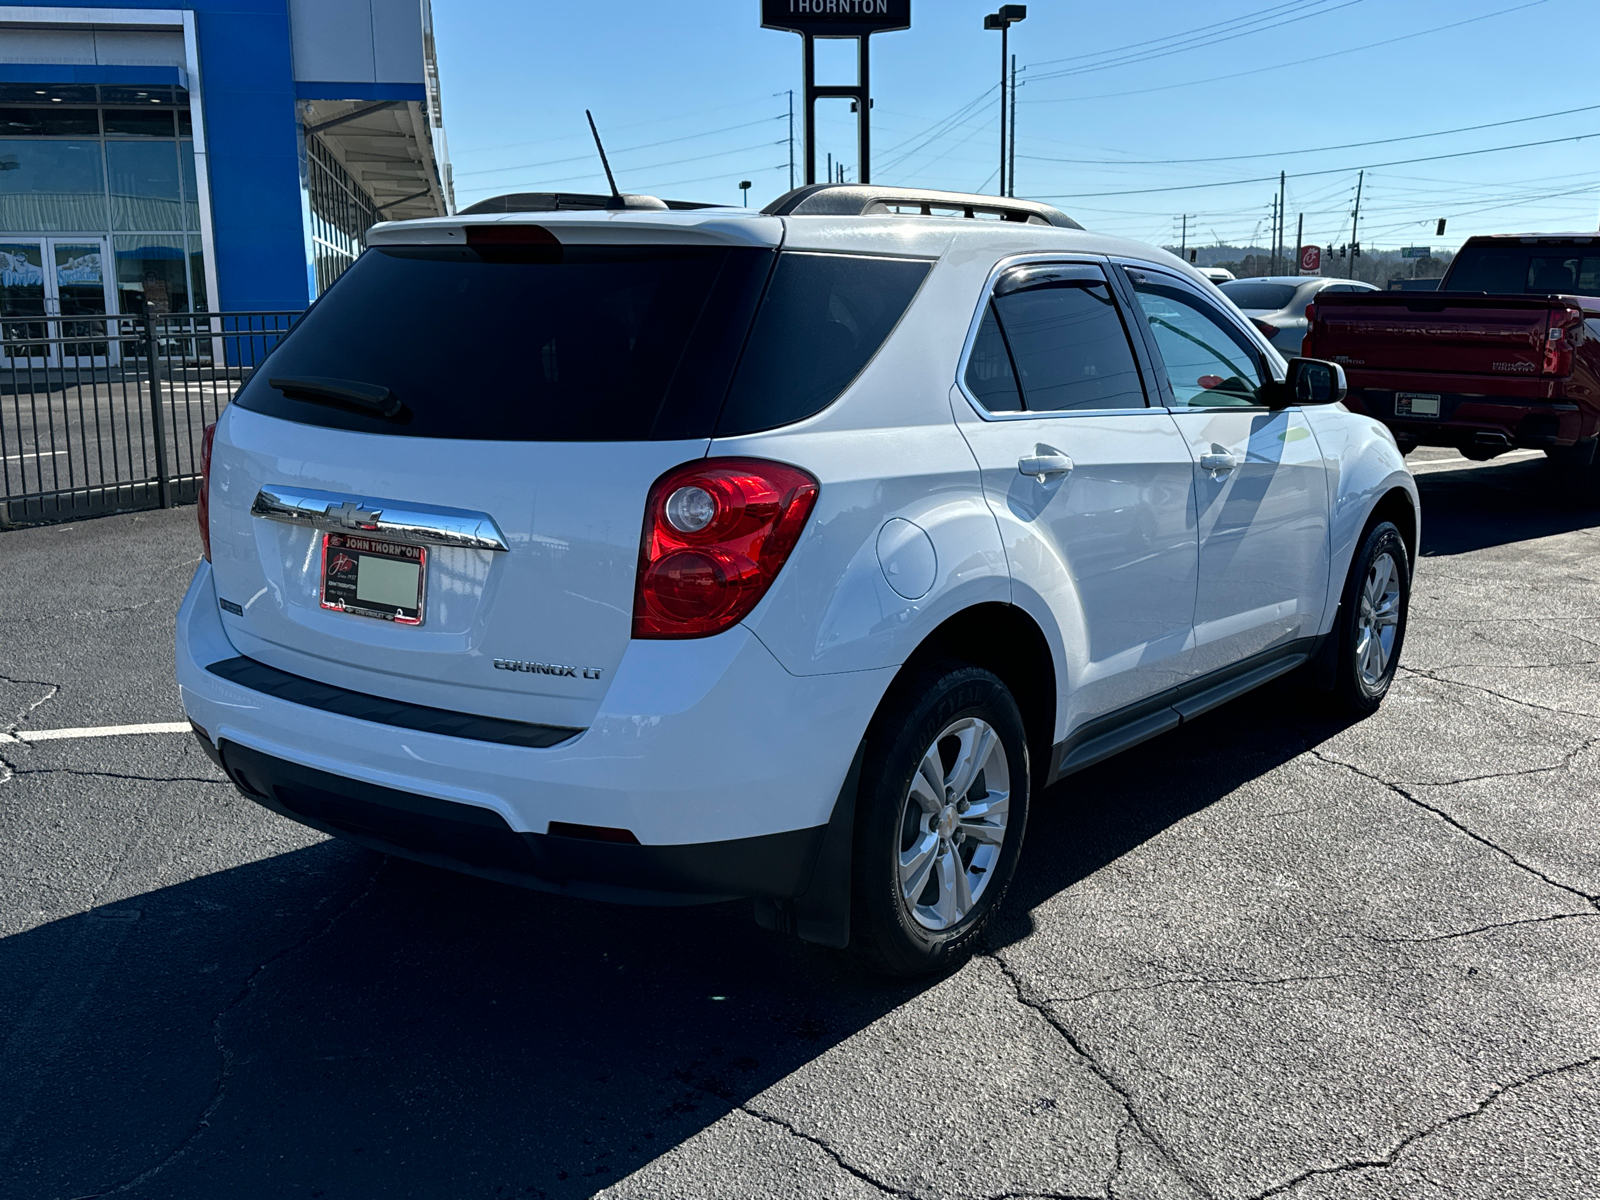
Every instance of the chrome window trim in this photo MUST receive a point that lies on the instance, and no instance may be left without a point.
(987, 293)
(341, 512)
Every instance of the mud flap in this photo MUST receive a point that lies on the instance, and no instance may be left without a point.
(821, 913)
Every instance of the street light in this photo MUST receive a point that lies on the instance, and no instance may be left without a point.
(1003, 20)
(744, 186)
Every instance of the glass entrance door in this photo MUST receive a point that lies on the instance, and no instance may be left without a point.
(54, 303)
(22, 305)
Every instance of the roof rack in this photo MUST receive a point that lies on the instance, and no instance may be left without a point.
(556, 202)
(866, 200)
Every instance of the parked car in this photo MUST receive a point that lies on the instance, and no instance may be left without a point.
(678, 556)
(1505, 354)
(1276, 304)
(1216, 274)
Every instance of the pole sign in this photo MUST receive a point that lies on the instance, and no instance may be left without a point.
(1310, 259)
(1416, 252)
(836, 18)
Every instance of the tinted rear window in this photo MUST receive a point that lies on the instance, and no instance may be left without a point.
(1526, 270)
(823, 318)
(1259, 295)
(526, 343)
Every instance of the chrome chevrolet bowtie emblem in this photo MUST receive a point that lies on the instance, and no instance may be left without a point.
(350, 515)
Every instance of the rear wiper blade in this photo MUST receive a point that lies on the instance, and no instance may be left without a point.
(369, 397)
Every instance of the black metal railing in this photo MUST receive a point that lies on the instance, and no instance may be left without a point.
(106, 414)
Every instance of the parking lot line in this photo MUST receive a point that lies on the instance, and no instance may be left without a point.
(92, 731)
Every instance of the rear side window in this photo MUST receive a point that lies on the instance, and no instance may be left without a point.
(823, 318)
(524, 342)
(1052, 340)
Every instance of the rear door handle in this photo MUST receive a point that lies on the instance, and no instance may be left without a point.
(1218, 461)
(1041, 466)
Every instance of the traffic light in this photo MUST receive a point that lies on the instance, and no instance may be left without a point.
(1194, 256)
(1341, 251)
(1355, 249)
(1440, 231)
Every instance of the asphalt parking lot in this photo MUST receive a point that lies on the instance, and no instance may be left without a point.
(1266, 955)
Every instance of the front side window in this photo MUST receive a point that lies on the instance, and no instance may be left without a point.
(1052, 340)
(1209, 362)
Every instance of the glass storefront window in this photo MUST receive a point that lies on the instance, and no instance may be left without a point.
(144, 185)
(191, 189)
(49, 122)
(139, 122)
(51, 186)
(197, 274)
(151, 271)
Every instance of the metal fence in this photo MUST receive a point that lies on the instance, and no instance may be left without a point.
(105, 414)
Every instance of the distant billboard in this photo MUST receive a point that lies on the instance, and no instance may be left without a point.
(836, 18)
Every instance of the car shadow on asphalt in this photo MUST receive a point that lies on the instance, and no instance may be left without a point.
(1495, 504)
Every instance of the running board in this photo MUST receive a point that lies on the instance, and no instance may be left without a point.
(1106, 736)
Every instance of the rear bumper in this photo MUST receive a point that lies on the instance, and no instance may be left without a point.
(465, 837)
(1467, 418)
(704, 750)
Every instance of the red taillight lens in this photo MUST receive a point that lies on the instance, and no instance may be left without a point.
(1267, 331)
(716, 534)
(203, 501)
(1565, 324)
(1305, 338)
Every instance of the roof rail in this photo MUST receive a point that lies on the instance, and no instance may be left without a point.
(867, 200)
(556, 202)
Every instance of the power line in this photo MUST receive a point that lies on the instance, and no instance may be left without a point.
(555, 162)
(1410, 137)
(675, 162)
(1399, 162)
(1233, 76)
(1261, 13)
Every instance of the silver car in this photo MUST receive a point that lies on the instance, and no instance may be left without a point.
(1276, 304)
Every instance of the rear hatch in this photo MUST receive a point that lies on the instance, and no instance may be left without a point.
(481, 384)
(1441, 333)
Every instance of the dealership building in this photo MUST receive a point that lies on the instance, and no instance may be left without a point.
(226, 156)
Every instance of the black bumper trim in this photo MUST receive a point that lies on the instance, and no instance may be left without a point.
(477, 841)
(297, 689)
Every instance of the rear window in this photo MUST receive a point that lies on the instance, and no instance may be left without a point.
(525, 343)
(823, 318)
(1270, 296)
(1526, 270)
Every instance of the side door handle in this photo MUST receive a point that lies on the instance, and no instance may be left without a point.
(1041, 466)
(1218, 461)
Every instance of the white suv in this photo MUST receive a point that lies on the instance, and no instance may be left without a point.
(674, 556)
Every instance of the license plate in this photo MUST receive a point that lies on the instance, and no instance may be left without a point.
(372, 577)
(1416, 404)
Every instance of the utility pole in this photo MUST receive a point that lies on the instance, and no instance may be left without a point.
(1355, 221)
(1299, 240)
(791, 139)
(1278, 251)
(830, 166)
(1011, 167)
(1183, 241)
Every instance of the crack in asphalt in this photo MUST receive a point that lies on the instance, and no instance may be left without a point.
(1411, 1139)
(1116, 1167)
(1191, 981)
(1100, 1071)
(1489, 691)
(87, 773)
(1400, 791)
(1461, 933)
(51, 694)
(837, 1158)
(220, 1091)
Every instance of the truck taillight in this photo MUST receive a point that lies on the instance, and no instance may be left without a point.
(203, 501)
(716, 534)
(1565, 322)
(1305, 338)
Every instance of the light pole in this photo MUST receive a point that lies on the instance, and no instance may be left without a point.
(744, 186)
(1003, 20)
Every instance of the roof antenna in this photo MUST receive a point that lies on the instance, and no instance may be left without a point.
(618, 199)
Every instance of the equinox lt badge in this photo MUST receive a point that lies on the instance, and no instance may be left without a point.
(538, 668)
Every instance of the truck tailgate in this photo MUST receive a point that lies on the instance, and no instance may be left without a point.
(1457, 333)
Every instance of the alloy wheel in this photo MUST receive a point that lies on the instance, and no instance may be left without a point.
(953, 824)
(1378, 621)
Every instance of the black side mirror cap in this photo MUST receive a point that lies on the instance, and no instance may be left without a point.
(1307, 381)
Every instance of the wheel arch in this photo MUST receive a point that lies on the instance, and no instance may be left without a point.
(1396, 505)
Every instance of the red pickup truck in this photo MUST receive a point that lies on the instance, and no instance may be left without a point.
(1505, 354)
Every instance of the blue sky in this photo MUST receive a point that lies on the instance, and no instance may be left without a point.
(683, 91)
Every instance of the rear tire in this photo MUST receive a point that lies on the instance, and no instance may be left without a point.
(1371, 626)
(940, 814)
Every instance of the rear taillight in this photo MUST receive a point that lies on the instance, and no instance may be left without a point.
(1565, 322)
(203, 503)
(716, 534)
(1305, 338)
(1267, 331)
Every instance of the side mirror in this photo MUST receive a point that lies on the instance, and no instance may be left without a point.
(1308, 381)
